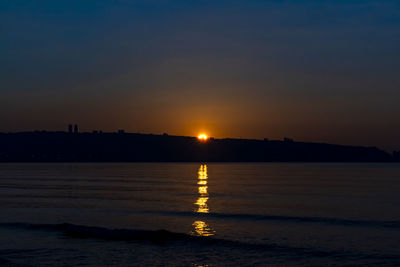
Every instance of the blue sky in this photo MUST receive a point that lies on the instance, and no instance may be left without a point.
(312, 70)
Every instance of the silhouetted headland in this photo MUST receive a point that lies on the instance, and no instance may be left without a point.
(72, 146)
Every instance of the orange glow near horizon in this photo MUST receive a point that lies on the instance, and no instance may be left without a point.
(202, 137)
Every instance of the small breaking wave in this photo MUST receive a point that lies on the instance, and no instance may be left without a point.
(82, 231)
(292, 219)
(164, 237)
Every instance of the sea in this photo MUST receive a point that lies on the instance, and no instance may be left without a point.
(200, 214)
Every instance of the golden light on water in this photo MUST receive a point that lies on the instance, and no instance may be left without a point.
(201, 228)
(202, 205)
(201, 202)
(203, 189)
(202, 173)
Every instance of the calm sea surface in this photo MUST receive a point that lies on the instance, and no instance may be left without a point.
(215, 214)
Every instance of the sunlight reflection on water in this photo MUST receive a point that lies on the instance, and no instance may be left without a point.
(201, 228)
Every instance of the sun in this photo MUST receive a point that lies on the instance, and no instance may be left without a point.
(202, 137)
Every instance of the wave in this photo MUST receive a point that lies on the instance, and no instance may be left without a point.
(166, 237)
(82, 231)
(291, 219)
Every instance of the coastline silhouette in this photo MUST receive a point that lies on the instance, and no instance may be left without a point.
(75, 146)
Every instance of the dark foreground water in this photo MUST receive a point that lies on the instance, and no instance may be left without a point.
(199, 214)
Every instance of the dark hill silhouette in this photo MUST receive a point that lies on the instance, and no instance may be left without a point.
(124, 147)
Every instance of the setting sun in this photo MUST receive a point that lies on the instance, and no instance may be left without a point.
(202, 137)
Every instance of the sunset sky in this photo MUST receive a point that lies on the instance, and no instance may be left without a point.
(324, 71)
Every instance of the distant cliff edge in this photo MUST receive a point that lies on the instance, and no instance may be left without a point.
(44, 146)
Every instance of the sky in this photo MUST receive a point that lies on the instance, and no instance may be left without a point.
(323, 71)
